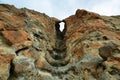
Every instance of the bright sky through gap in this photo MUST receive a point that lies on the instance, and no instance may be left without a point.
(64, 8)
(62, 26)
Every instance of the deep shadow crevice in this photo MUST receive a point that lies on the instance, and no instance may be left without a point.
(22, 49)
(11, 71)
(59, 52)
(60, 34)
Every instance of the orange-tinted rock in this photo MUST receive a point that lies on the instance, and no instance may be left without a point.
(16, 36)
(5, 61)
(39, 51)
(27, 53)
(1, 25)
(1, 50)
(40, 62)
(92, 32)
(85, 14)
(6, 58)
(78, 52)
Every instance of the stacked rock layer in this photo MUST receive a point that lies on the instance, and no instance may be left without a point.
(32, 47)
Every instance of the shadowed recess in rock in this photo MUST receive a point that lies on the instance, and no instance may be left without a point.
(33, 46)
(60, 29)
(59, 52)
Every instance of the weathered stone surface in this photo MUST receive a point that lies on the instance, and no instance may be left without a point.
(15, 36)
(24, 68)
(32, 47)
(5, 61)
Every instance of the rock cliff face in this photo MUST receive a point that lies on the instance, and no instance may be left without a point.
(32, 47)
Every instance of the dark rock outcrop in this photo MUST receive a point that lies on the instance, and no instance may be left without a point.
(32, 47)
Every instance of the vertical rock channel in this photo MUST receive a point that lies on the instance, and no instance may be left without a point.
(58, 55)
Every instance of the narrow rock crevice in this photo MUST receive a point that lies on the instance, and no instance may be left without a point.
(60, 38)
(11, 72)
(58, 55)
(34, 46)
(60, 34)
(24, 48)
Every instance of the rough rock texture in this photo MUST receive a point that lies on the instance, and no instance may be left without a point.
(33, 48)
